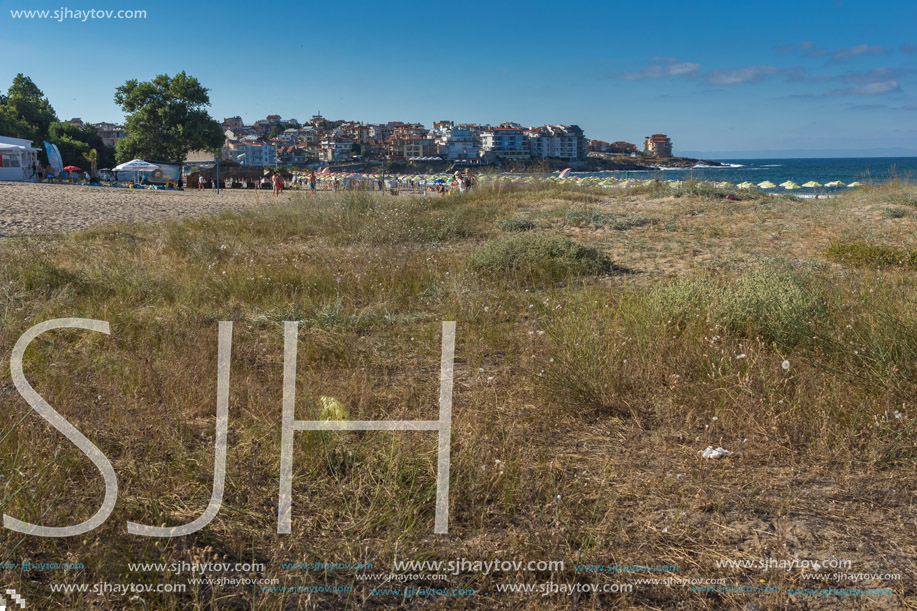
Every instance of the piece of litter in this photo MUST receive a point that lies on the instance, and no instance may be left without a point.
(785, 365)
(717, 453)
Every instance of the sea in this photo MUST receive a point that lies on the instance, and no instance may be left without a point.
(867, 170)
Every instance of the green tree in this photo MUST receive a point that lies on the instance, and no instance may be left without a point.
(90, 135)
(166, 119)
(276, 130)
(93, 158)
(31, 106)
(67, 138)
(12, 125)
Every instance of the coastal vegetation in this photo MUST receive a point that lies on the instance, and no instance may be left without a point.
(166, 119)
(604, 338)
(26, 113)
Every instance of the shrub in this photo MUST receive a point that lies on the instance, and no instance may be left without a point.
(860, 253)
(516, 224)
(895, 213)
(587, 216)
(532, 259)
(781, 305)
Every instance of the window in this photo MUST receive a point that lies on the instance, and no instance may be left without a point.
(9, 161)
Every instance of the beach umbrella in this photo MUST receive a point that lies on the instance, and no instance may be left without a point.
(835, 183)
(724, 185)
(136, 165)
(855, 184)
(72, 168)
(766, 185)
(790, 185)
(812, 184)
(746, 185)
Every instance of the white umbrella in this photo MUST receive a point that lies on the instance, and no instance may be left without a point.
(136, 166)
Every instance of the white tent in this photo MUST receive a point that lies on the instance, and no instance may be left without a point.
(137, 166)
(17, 159)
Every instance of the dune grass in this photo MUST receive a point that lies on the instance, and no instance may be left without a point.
(582, 396)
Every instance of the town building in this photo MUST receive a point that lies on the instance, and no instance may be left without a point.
(455, 142)
(111, 133)
(406, 144)
(232, 123)
(335, 149)
(623, 148)
(251, 152)
(296, 156)
(505, 144)
(565, 142)
(658, 145)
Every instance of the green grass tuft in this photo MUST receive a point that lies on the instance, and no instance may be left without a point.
(539, 258)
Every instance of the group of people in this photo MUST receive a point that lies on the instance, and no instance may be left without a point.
(275, 181)
(464, 182)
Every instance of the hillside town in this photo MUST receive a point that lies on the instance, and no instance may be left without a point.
(278, 142)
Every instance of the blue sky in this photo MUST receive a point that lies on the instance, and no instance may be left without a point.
(714, 76)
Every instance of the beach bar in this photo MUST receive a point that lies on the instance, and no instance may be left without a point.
(17, 159)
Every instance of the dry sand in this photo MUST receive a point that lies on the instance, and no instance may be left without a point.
(32, 209)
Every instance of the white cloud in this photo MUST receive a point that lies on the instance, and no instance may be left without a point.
(858, 51)
(808, 47)
(875, 75)
(747, 74)
(868, 89)
(671, 67)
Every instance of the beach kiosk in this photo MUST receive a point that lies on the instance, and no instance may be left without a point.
(17, 159)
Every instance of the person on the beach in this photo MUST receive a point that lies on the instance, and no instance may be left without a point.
(459, 182)
(312, 182)
(200, 182)
(334, 185)
(277, 179)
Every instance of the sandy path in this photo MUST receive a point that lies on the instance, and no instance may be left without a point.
(30, 209)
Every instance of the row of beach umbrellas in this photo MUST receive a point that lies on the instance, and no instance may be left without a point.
(565, 178)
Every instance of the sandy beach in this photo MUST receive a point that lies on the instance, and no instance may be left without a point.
(32, 209)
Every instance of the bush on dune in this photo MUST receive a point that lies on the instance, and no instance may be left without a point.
(539, 258)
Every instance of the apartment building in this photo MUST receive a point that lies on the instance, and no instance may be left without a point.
(505, 143)
(658, 145)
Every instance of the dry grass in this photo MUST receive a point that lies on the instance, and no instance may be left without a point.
(581, 400)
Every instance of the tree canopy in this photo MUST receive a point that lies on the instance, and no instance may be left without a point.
(166, 119)
(76, 142)
(25, 101)
(12, 125)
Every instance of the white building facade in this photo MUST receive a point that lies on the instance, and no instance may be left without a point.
(18, 160)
